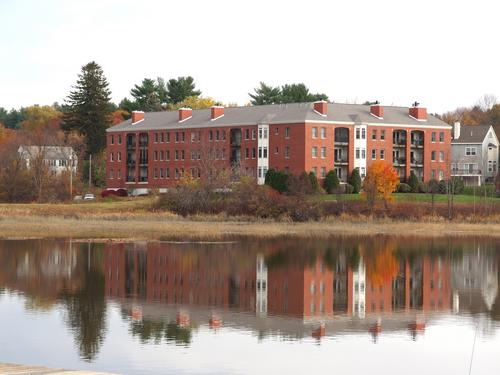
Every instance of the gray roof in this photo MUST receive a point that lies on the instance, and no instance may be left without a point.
(276, 113)
(472, 134)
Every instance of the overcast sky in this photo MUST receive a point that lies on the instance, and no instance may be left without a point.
(442, 53)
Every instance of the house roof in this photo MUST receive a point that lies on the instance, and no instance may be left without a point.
(472, 134)
(51, 152)
(277, 113)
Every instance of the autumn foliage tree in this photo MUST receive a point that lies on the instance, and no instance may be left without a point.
(380, 182)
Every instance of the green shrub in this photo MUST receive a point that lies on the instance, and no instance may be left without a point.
(455, 184)
(277, 180)
(404, 188)
(332, 182)
(413, 182)
(314, 182)
(432, 187)
(349, 189)
(355, 181)
(299, 185)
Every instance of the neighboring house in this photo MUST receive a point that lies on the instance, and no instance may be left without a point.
(57, 158)
(155, 149)
(474, 154)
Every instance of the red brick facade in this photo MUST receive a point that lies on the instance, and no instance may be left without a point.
(158, 158)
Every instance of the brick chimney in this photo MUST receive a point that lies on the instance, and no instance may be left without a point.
(377, 110)
(321, 107)
(418, 113)
(185, 113)
(217, 111)
(137, 116)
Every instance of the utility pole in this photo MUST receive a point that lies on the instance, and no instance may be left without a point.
(70, 176)
(90, 170)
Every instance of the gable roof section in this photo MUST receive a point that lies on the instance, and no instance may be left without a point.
(472, 134)
(277, 114)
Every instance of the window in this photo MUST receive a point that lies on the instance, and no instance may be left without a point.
(323, 172)
(265, 133)
(119, 156)
(315, 171)
(265, 152)
(254, 134)
(314, 132)
(276, 150)
(210, 135)
(260, 152)
(433, 155)
(223, 135)
(433, 174)
(260, 133)
(314, 152)
(167, 172)
(363, 153)
(110, 173)
(382, 154)
(276, 131)
(363, 172)
(217, 135)
(193, 137)
(358, 133)
(155, 155)
(374, 134)
(323, 152)
(176, 137)
(111, 158)
(323, 133)
(156, 137)
(382, 135)
(254, 153)
(161, 155)
(183, 136)
(441, 175)
(112, 139)
(162, 139)
(176, 154)
(168, 137)
(161, 172)
(155, 173)
(490, 166)
(287, 152)
(247, 134)
(433, 137)
(119, 174)
(441, 155)
(167, 155)
(470, 151)
(374, 154)
(363, 133)
(287, 132)
(358, 153)
(441, 137)
(247, 153)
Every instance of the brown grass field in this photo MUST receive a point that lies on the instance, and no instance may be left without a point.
(134, 219)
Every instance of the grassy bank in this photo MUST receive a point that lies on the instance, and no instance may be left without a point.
(420, 197)
(133, 219)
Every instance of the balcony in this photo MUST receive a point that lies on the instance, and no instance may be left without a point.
(465, 172)
(417, 163)
(130, 146)
(399, 142)
(417, 143)
(399, 162)
(340, 161)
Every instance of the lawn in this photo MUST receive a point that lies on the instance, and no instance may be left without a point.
(421, 197)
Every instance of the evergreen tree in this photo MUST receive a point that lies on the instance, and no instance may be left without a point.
(355, 181)
(265, 95)
(277, 180)
(181, 88)
(314, 182)
(88, 107)
(332, 182)
(413, 182)
(147, 95)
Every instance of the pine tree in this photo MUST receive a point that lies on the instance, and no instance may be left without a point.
(332, 182)
(413, 182)
(355, 181)
(181, 88)
(88, 107)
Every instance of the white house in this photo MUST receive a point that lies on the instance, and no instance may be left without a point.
(58, 158)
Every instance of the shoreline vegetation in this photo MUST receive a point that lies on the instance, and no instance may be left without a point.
(135, 219)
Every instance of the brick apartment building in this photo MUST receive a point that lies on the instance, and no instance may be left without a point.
(153, 150)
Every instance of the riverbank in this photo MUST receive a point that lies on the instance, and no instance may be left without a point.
(133, 219)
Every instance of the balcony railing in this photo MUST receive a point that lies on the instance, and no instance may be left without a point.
(399, 161)
(416, 162)
(340, 161)
(465, 172)
(399, 142)
(417, 143)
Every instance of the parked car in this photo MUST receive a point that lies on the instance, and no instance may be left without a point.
(89, 197)
(114, 192)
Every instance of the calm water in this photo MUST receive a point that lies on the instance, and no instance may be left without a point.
(344, 306)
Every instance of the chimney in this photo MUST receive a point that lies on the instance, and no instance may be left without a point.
(137, 116)
(418, 113)
(321, 107)
(185, 114)
(456, 130)
(217, 111)
(377, 110)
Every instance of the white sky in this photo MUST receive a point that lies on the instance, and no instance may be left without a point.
(441, 53)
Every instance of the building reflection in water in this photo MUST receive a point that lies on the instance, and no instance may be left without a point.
(294, 289)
